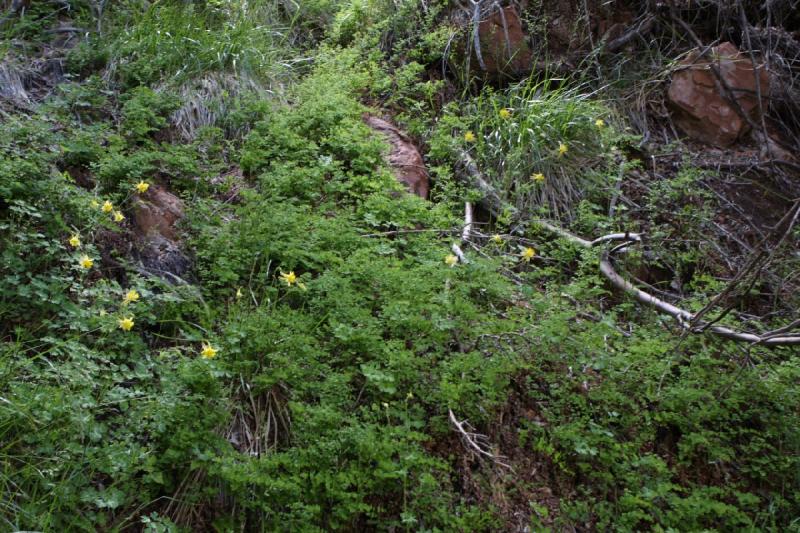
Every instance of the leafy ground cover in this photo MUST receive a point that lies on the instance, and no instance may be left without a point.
(306, 374)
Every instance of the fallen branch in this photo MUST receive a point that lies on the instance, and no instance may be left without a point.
(476, 442)
(473, 177)
(638, 30)
(465, 233)
(468, 217)
(468, 172)
(459, 253)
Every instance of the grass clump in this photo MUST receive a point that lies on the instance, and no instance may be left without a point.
(184, 41)
(543, 147)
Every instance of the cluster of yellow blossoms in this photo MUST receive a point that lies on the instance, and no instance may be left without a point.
(527, 254)
(85, 261)
(108, 207)
(125, 323)
(505, 113)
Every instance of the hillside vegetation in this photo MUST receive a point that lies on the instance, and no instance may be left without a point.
(221, 310)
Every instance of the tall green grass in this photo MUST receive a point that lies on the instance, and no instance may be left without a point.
(176, 43)
(518, 135)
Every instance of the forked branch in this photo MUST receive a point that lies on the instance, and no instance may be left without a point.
(468, 172)
(477, 443)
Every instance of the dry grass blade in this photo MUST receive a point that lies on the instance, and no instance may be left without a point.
(206, 102)
(260, 422)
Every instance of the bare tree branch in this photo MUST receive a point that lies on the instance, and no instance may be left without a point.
(476, 442)
(469, 173)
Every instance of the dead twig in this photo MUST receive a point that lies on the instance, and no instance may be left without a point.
(691, 323)
(476, 442)
(640, 30)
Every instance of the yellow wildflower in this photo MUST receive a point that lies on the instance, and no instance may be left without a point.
(125, 324)
(289, 278)
(497, 239)
(107, 207)
(505, 113)
(600, 123)
(130, 296)
(470, 137)
(75, 241)
(239, 293)
(528, 253)
(142, 187)
(86, 262)
(208, 351)
(451, 260)
(118, 217)
(562, 149)
(538, 177)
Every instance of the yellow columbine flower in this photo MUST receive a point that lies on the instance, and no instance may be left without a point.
(125, 324)
(142, 187)
(107, 207)
(86, 262)
(208, 351)
(130, 296)
(451, 260)
(538, 177)
(562, 149)
(75, 241)
(118, 217)
(289, 278)
(600, 123)
(497, 239)
(528, 253)
(469, 137)
(505, 113)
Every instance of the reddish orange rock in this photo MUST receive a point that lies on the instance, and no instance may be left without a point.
(404, 157)
(702, 110)
(155, 216)
(158, 211)
(504, 47)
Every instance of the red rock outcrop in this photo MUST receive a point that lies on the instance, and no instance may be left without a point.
(702, 110)
(404, 158)
(504, 56)
(155, 215)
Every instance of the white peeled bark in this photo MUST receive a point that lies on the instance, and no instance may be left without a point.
(471, 175)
